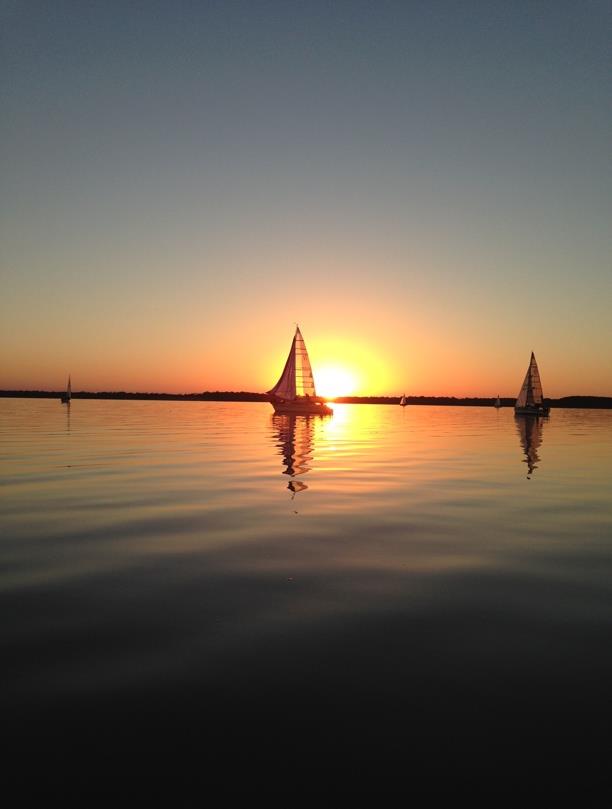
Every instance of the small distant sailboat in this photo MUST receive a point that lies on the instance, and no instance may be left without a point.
(403, 401)
(294, 392)
(66, 397)
(530, 401)
(497, 402)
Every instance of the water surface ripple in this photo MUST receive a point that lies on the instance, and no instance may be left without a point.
(177, 568)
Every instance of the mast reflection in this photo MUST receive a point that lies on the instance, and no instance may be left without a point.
(294, 437)
(530, 432)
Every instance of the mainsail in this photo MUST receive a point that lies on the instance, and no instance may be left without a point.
(531, 391)
(296, 378)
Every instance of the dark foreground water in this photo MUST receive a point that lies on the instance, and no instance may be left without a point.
(203, 591)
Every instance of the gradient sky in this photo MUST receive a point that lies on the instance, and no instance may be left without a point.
(426, 187)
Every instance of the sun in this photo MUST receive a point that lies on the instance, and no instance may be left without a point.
(333, 380)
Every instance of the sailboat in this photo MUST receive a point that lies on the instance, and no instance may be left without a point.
(295, 390)
(66, 397)
(497, 402)
(403, 401)
(530, 401)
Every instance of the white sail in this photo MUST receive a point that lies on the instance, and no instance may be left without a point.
(296, 378)
(403, 401)
(531, 390)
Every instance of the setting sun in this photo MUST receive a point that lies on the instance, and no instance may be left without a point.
(332, 381)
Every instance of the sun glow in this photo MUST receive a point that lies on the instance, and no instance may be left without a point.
(334, 380)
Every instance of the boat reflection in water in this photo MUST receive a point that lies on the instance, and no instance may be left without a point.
(294, 437)
(530, 431)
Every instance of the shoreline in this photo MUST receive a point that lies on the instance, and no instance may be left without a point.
(589, 402)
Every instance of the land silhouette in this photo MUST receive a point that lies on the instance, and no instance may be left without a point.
(596, 402)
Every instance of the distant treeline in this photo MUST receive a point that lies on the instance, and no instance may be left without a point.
(206, 396)
(602, 402)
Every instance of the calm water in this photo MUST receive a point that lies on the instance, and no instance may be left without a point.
(180, 576)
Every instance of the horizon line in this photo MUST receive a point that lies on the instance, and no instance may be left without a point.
(13, 392)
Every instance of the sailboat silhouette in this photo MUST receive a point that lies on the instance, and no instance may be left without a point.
(66, 397)
(295, 390)
(530, 401)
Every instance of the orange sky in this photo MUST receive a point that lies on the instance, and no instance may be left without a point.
(367, 343)
(394, 323)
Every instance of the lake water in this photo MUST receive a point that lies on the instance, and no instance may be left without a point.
(426, 586)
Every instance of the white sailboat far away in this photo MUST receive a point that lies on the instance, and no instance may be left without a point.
(295, 390)
(403, 401)
(497, 402)
(530, 401)
(66, 397)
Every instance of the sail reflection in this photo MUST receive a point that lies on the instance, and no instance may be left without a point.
(294, 437)
(530, 431)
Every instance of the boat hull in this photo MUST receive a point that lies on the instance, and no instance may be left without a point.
(302, 408)
(531, 411)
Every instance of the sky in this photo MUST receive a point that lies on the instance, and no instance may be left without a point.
(425, 187)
